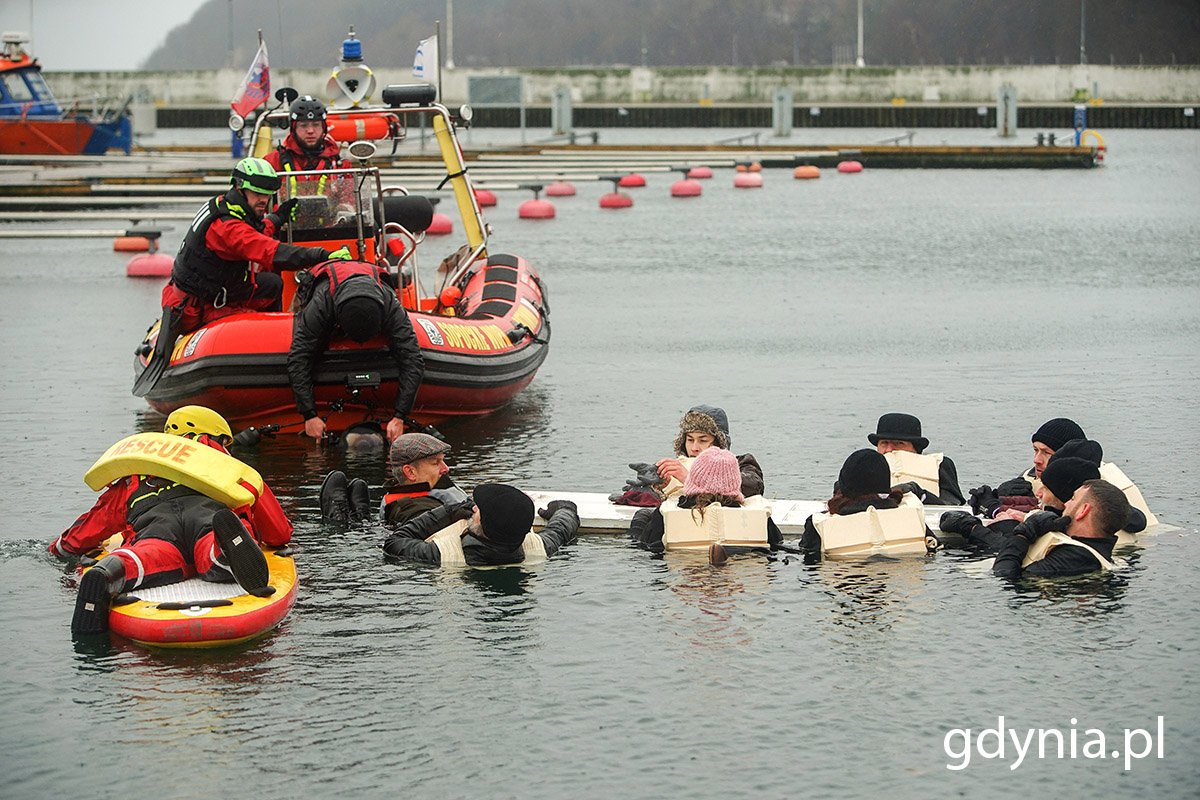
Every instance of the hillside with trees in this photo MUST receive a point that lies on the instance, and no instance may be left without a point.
(664, 33)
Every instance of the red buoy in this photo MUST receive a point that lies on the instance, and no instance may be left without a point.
(686, 187)
(560, 189)
(849, 167)
(615, 200)
(748, 180)
(536, 209)
(131, 244)
(440, 226)
(485, 198)
(755, 167)
(701, 173)
(742, 167)
(806, 172)
(632, 180)
(149, 265)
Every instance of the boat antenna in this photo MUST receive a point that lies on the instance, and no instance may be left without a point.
(437, 31)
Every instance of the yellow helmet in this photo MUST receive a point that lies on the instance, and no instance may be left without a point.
(194, 420)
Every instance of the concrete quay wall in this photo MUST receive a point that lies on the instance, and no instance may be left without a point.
(604, 85)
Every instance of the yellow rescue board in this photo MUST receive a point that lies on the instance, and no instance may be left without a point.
(197, 466)
(200, 614)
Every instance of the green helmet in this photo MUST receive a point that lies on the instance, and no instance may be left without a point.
(255, 175)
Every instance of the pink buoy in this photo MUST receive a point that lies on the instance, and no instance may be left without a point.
(560, 189)
(536, 209)
(632, 180)
(615, 200)
(686, 187)
(742, 167)
(149, 265)
(485, 198)
(748, 180)
(754, 167)
(806, 172)
(849, 167)
(700, 173)
(440, 226)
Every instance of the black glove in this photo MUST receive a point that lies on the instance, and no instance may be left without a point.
(463, 510)
(647, 474)
(911, 487)
(959, 522)
(984, 500)
(285, 213)
(1039, 522)
(1017, 487)
(557, 505)
(248, 437)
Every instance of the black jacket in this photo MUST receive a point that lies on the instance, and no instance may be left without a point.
(647, 527)
(948, 492)
(408, 542)
(1060, 562)
(313, 327)
(408, 501)
(810, 540)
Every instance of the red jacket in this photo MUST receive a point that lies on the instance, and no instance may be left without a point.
(291, 155)
(265, 517)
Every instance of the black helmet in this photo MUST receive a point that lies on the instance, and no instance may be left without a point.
(306, 109)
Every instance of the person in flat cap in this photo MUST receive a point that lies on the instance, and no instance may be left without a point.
(901, 433)
(492, 529)
(351, 300)
(702, 427)
(420, 482)
(864, 481)
(1019, 495)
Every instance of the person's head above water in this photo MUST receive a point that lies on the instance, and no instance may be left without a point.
(714, 472)
(418, 458)
(702, 427)
(1052, 435)
(898, 432)
(504, 514)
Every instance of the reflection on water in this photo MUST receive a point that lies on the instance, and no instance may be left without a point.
(713, 598)
(875, 593)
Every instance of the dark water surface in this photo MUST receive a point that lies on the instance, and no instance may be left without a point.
(984, 301)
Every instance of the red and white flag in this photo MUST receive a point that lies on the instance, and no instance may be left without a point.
(256, 86)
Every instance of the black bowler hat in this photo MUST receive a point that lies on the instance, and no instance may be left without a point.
(900, 427)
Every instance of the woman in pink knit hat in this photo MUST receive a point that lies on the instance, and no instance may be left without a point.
(714, 478)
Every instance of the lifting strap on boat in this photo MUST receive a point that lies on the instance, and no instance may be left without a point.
(451, 176)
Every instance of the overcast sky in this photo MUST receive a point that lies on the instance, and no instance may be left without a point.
(94, 34)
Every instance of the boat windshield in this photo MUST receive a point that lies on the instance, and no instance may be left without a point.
(26, 92)
(331, 203)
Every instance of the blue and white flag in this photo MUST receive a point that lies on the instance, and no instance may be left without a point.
(425, 65)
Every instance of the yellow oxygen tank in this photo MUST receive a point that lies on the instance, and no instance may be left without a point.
(262, 141)
(462, 191)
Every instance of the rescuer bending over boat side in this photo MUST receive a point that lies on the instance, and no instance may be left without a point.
(354, 300)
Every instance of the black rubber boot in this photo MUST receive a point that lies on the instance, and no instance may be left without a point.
(360, 501)
(335, 498)
(243, 555)
(98, 586)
